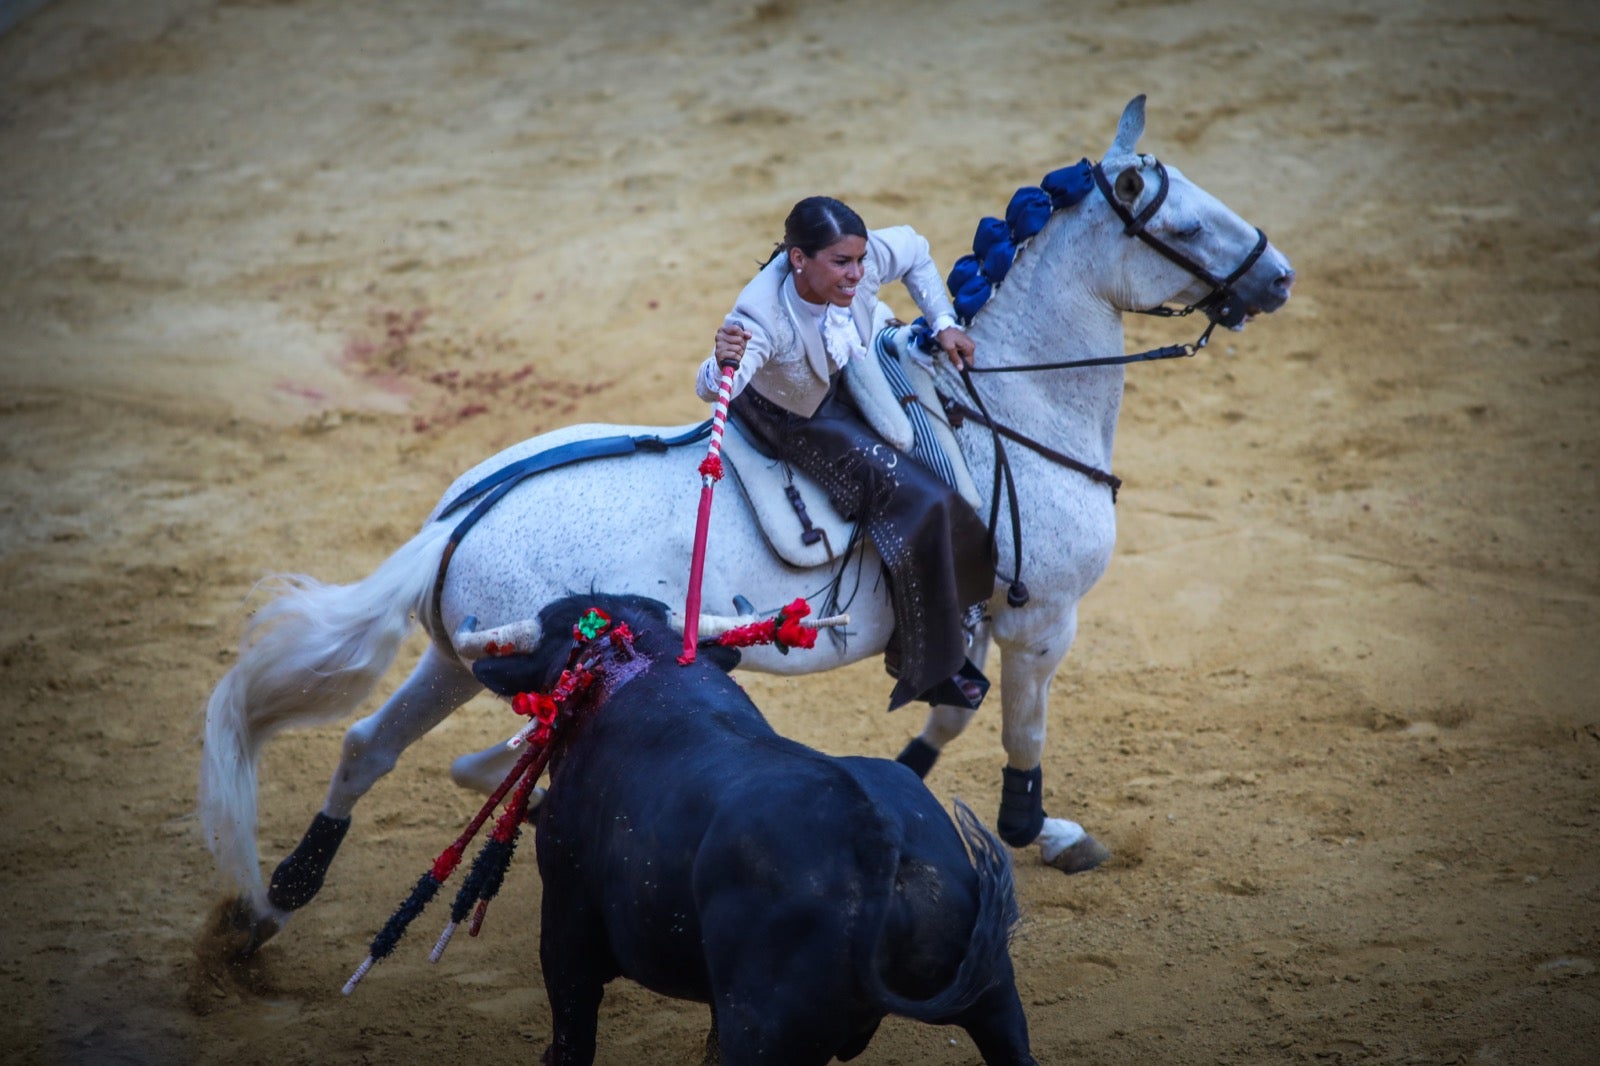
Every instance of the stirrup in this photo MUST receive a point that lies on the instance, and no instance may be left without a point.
(965, 688)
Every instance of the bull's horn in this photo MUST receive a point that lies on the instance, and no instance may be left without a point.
(511, 638)
(714, 625)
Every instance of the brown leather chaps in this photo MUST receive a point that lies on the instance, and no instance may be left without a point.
(934, 546)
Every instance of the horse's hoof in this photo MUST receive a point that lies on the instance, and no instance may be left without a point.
(234, 931)
(1081, 857)
(226, 955)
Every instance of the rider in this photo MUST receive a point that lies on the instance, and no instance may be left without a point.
(806, 315)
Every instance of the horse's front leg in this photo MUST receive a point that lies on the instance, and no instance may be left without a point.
(945, 722)
(1031, 659)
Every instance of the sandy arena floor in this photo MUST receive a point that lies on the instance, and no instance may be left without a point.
(272, 274)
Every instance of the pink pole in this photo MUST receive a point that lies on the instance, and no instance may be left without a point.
(710, 472)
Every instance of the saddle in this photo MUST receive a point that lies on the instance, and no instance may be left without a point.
(792, 511)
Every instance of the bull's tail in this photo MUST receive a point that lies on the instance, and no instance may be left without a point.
(310, 656)
(991, 933)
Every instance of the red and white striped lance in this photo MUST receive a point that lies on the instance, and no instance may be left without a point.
(711, 468)
(710, 473)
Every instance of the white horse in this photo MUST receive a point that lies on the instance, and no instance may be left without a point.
(625, 525)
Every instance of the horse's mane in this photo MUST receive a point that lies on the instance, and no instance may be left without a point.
(995, 244)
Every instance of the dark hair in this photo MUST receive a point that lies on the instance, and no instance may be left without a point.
(816, 222)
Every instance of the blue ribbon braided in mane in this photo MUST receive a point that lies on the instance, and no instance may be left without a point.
(994, 245)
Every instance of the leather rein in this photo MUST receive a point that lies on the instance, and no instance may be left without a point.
(1222, 306)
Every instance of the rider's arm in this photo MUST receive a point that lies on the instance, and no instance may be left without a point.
(904, 256)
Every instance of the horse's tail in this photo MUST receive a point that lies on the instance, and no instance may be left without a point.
(985, 959)
(308, 657)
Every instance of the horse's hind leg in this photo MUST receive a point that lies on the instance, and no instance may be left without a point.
(372, 747)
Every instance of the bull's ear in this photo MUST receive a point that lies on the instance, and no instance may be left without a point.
(723, 658)
(507, 675)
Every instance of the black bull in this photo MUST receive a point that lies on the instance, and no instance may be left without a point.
(687, 846)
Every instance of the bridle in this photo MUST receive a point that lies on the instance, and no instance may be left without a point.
(1222, 306)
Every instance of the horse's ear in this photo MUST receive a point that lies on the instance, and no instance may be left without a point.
(1130, 129)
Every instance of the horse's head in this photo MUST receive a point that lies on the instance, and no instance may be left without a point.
(1209, 258)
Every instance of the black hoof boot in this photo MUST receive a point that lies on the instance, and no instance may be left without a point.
(1021, 806)
(299, 877)
(919, 755)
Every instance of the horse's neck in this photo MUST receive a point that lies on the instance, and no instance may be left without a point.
(1044, 313)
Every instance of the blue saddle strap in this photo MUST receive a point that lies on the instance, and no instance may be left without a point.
(573, 452)
(508, 477)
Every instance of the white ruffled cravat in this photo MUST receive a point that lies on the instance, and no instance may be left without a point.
(839, 336)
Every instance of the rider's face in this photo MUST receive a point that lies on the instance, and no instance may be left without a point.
(830, 276)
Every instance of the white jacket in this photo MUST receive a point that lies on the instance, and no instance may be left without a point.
(785, 357)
